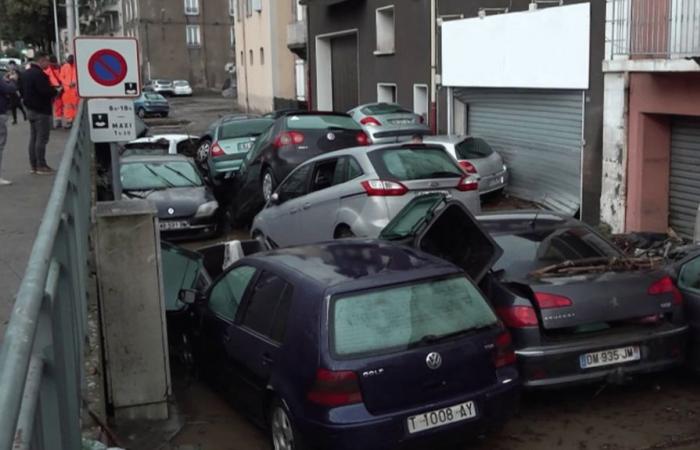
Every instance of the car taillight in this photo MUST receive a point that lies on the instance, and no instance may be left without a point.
(504, 355)
(468, 184)
(216, 150)
(548, 301)
(467, 167)
(335, 388)
(518, 316)
(666, 286)
(384, 188)
(371, 121)
(288, 138)
(362, 138)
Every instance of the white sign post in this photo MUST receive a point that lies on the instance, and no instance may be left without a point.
(111, 120)
(107, 67)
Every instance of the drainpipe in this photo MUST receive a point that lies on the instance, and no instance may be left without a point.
(70, 23)
(433, 69)
(245, 59)
(450, 111)
(57, 50)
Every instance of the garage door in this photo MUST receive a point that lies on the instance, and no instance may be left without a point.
(539, 134)
(685, 175)
(344, 69)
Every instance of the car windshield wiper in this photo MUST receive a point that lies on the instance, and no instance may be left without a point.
(157, 175)
(133, 193)
(189, 180)
(433, 339)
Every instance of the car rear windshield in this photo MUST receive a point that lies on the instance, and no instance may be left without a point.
(472, 148)
(142, 176)
(156, 97)
(181, 83)
(384, 108)
(414, 163)
(398, 318)
(526, 252)
(243, 128)
(320, 122)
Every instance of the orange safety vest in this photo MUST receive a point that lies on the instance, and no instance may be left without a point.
(70, 91)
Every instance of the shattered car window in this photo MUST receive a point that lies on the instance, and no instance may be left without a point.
(533, 250)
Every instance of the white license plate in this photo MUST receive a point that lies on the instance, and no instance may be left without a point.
(440, 417)
(401, 121)
(245, 146)
(610, 357)
(173, 225)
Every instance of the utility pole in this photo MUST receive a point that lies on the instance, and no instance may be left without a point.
(57, 35)
(433, 67)
(70, 21)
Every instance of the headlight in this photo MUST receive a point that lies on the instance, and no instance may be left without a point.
(207, 209)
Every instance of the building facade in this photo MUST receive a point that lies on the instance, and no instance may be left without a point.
(270, 45)
(651, 166)
(549, 133)
(191, 40)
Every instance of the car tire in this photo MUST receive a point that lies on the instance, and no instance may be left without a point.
(202, 153)
(283, 433)
(141, 113)
(343, 232)
(267, 184)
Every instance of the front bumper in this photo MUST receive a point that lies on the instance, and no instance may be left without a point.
(368, 432)
(557, 365)
(191, 231)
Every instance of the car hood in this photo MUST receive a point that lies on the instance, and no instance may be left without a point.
(175, 203)
(445, 228)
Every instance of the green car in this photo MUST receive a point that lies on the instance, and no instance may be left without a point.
(222, 149)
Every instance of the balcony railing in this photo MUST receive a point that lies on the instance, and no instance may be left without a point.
(666, 29)
(296, 34)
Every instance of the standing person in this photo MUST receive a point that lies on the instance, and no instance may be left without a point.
(38, 95)
(70, 91)
(54, 74)
(15, 101)
(7, 89)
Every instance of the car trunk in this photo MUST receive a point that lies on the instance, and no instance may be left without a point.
(397, 119)
(417, 188)
(467, 366)
(489, 165)
(328, 140)
(600, 301)
(446, 229)
(237, 146)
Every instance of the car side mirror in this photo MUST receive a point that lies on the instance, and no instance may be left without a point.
(188, 296)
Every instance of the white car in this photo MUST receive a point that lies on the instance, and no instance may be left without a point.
(171, 144)
(182, 88)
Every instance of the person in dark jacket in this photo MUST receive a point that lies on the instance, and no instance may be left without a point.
(15, 101)
(38, 95)
(7, 89)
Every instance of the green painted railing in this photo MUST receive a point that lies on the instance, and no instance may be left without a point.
(41, 358)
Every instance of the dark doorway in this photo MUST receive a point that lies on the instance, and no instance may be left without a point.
(344, 72)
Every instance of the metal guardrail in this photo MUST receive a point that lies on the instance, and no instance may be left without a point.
(664, 29)
(41, 358)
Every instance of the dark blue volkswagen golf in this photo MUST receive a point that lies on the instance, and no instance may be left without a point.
(358, 344)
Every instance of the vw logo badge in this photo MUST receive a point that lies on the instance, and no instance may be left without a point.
(171, 211)
(331, 136)
(433, 360)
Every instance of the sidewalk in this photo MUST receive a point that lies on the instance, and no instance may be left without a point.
(21, 208)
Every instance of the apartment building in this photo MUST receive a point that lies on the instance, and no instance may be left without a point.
(651, 159)
(270, 52)
(183, 39)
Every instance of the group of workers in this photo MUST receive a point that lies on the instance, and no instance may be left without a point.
(63, 78)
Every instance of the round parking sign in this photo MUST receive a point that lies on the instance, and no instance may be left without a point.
(107, 67)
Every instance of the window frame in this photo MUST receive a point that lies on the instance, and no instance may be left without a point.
(307, 183)
(248, 8)
(382, 34)
(232, 8)
(197, 42)
(191, 7)
(384, 85)
(262, 56)
(288, 290)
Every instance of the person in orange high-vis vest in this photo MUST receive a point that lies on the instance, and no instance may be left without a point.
(70, 92)
(54, 74)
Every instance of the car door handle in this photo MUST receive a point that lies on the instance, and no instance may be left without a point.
(293, 211)
(307, 205)
(267, 359)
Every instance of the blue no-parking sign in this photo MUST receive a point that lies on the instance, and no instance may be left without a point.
(107, 67)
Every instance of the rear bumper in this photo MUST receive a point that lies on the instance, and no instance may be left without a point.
(558, 365)
(370, 432)
(494, 182)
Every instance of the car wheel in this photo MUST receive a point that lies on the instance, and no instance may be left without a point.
(344, 232)
(141, 113)
(203, 153)
(268, 185)
(282, 431)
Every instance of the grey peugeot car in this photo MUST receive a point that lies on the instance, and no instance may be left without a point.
(388, 122)
(475, 156)
(357, 191)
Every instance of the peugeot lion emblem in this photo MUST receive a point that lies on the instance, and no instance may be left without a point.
(434, 184)
(171, 211)
(433, 360)
(331, 136)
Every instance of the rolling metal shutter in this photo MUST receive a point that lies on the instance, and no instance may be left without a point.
(684, 186)
(539, 134)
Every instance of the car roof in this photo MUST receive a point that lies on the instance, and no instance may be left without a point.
(353, 264)
(316, 113)
(155, 158)
(227, 120)
(445, 138)
(518, 221)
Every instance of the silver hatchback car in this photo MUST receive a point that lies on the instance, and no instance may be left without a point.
(475, 156)
(385, 123)
(357, 191)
